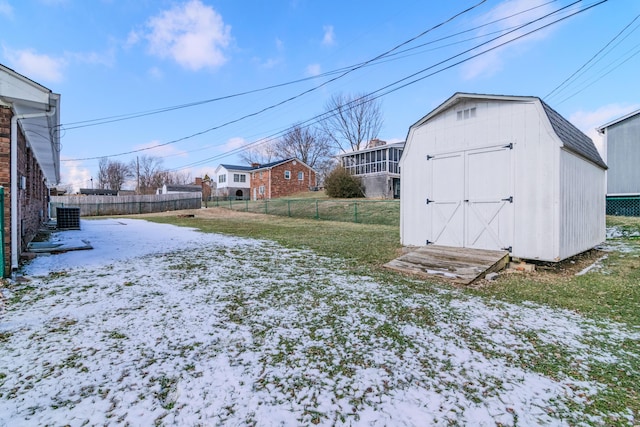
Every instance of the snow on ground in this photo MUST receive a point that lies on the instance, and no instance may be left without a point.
(167, 325)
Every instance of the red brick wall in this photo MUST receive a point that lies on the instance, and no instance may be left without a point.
(275, 183)
(32, 201)
(5, 176)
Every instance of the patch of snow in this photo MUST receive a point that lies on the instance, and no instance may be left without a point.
(161, 324)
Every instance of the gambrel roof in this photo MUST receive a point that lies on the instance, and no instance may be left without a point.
(571, 137)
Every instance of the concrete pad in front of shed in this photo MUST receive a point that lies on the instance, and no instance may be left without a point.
(460, 265)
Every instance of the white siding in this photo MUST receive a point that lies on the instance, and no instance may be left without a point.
(582, 205)
(558, 198)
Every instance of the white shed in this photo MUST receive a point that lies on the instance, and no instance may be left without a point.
(504, 173)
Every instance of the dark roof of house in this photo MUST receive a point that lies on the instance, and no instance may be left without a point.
(184, 188)
(572, 137)
(237, 168)
(98, 192)
(272, 164)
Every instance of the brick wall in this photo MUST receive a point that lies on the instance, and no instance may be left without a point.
(275, 183)
(32, 200)
(5, 176)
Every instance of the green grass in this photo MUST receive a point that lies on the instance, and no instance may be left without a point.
(609, 293)
(362, 211)
(363, 244)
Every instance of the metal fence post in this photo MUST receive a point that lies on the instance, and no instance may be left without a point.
(289, 208)
(317, 212)
(355, 212)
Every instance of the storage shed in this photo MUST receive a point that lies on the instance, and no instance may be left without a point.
(504, 173)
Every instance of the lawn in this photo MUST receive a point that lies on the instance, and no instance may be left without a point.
(244, 319)
(608, 293)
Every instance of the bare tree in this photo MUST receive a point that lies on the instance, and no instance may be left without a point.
(353, 120)
(112, 174)
(149, 172)
(310, 145)
(262, 153)
(178, 178)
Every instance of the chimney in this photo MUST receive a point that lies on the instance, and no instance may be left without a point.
(199, 181)
(255, 165)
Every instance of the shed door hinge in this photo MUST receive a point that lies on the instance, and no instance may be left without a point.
(508, 199)
(429, 157)
(509, 146)
(429, 242)
(430, 201)
(508, 248)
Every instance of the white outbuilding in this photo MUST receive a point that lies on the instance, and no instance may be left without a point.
(503, 173)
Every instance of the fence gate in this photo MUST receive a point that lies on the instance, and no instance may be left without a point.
(470, 201)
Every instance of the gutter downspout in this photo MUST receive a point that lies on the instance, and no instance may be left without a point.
(14, 179)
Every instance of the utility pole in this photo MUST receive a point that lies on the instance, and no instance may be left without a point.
(138, 175)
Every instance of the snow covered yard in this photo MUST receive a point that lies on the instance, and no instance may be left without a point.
(169, 326)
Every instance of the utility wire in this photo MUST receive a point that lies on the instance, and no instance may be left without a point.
(343, 72)
(383, 91)
(557, 88)
(440, 24)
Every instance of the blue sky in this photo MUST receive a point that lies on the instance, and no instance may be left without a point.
(111, 58)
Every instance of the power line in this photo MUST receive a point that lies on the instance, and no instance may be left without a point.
(383, 91)
(565, 82)
(273, 106)
(342, 71)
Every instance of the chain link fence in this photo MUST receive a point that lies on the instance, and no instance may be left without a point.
(384, 212)
(623, 206)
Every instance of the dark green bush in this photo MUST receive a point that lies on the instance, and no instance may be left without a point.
(341, 184)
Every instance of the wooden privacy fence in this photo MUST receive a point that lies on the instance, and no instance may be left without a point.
(126, 205)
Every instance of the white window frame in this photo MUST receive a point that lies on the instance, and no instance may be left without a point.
(287, 174)
(300, 176)
(261, 189)
(222, 179)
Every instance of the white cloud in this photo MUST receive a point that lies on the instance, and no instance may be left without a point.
(192, 34)
(329, 36)
(492, 62)
(106, 58)
(233, 144)
(588, 121)
(313, 70)
(133, 38)
(38, 67)
(75, 175)
(6, 9)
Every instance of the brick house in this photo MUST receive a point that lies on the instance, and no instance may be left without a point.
(281, 178)
(29, 159)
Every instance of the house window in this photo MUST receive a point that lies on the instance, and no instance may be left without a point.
(300, 176)
(239, 177)
(222, 178)
(287, 174)
(261, 189)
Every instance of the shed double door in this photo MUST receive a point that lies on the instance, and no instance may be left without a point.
(470, 204)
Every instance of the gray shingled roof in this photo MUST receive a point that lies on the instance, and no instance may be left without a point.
(184, 188)
(237, 168)
(572, 137)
